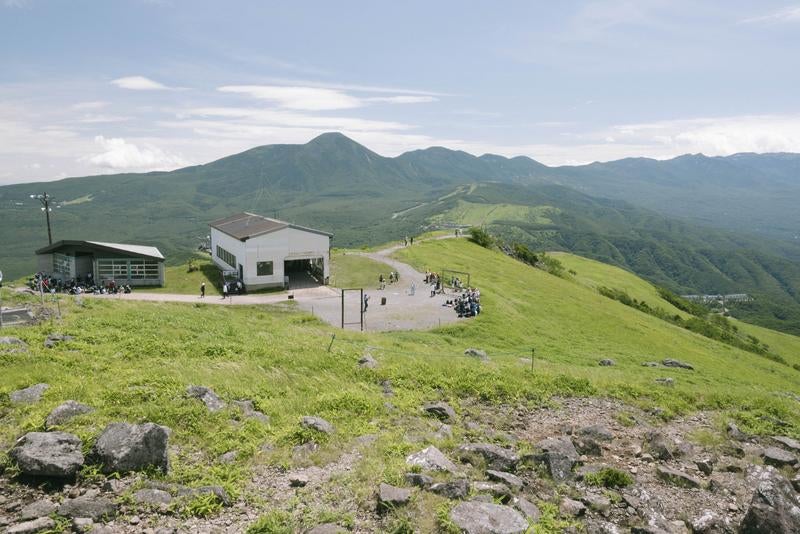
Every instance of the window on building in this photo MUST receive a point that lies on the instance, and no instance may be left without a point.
(128, 269)
(264, 268)
(62, 264)
(226, 256)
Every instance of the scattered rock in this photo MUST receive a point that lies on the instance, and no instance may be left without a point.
(775, 507)
(12, 344)
(454, 489)
(305, 449)
(431, 459)
(528, 509)
(669, 362)
(36, 509)
(66, 411)
(249, 410)
(218, 491)
(440, 410)
(496, 457)
(83, 524)
(659, 445)
(588, 440)
(649, 364)
(607, 363)
(95, 508)
(317, 423)
(298, 480)
(48, 454)
(418, 479)
(476, 517)
(559, 456)
(709, 522)
(603, 527)
(123, 447)
(152, 497)
(788, 443)
(390, 497)
(666, 381)
(571, 508)
(207, 395)
(678, 478)
(31, 527)
(736, 434)
(386, 386)
(598, 503)
(796, 483)
(54, 339)
(477, 353)
(368, 362)
(496, 489)
(705, 465)
(512, 481)
(228, 458)
(445, 432)
(778, 457)
(28, 395)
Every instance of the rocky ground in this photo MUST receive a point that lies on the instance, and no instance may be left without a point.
(579, 465)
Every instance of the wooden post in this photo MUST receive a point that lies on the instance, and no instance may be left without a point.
(363, 309)
(333, 338)
(342, 309)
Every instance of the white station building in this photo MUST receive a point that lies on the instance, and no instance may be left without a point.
(266, 252)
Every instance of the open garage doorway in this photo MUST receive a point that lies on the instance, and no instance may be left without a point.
(304, 273)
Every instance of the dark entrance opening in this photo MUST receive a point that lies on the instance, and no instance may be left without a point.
(307, 272)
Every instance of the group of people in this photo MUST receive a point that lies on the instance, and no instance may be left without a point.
(393, 278)
(468, 304)
(408, 241)
(75, 286)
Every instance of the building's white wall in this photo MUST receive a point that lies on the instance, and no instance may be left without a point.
(286, 244)
(232, 245)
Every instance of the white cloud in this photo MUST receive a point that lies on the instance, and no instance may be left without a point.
(86, 106)
(101, 119)
(355, 87)
(139, 83)
(403, 99)
(787, 14)
(118, 154)
(16, 3)
(299, 98)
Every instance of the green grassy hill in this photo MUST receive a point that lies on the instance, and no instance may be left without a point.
(133, 361)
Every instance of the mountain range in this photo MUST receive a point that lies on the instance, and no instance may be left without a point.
(693, 224)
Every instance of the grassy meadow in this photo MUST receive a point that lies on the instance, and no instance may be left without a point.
(133, 361)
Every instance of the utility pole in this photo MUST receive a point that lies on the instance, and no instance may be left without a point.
(45, 201)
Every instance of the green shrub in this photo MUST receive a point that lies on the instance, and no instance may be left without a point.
(275, 522)
(609, 477)
(481, 237)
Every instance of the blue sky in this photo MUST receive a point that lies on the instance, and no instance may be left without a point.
(89, 87)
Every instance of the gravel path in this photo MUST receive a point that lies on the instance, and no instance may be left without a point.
(402, 311)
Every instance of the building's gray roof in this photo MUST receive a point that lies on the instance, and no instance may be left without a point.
(134, 250)
(244, 226)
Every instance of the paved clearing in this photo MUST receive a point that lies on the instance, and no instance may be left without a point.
(402, 311)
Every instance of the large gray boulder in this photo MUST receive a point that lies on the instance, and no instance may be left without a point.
(453, 489)
(559, 456)
(40, 508)
(677, 477)
(475, 517)
(64, 412)
(431, 459)
(54, 339)
(48, 454)
(28, 395)
(152, 497)
(496, 457)
(788, 443)
(92, 507)
(775, 507)
(207, 395)
(317, 423)
(590, 439)
(477, 353)
(512, 481)
(123, 447)
(659, 445)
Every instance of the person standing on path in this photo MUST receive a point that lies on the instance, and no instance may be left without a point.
(224, 290)
(203, 290)
(413, 288)
(366, 302)
(412, 239)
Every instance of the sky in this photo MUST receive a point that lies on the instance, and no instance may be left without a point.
(99, 87)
